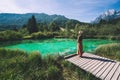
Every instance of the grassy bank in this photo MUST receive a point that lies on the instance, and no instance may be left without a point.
(10, 35)
(111, 51)
(18, 65)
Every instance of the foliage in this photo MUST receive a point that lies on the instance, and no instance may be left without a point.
(43, 35)
(32, 25)
(109, 50)
(21, 19)
(23, 31)
(53, 73)
(16, 64)
(56, 23)
(53, 27)
(104, 31)
(10, 35)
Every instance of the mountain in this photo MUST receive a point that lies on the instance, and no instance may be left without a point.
(21, 19)
(108, 16)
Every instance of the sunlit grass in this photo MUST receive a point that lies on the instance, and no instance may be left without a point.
(111, 50)
(17, 64)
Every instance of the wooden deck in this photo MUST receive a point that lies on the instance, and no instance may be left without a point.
(101, 67)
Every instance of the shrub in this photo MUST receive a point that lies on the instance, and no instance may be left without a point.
(10, 35)
(53, 73)
(43, 35)
(16, 64)
(49, 59)
(38, 35)
(7, 53)
(35, 59)
(32, 66)
(109, 50)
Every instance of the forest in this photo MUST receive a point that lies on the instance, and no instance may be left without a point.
(65, 29)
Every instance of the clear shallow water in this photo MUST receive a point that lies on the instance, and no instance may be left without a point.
(55, 46)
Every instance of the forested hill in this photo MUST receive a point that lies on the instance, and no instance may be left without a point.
(8, 20)
(20, 19)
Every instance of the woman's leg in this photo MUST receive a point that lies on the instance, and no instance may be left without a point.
(80, 49)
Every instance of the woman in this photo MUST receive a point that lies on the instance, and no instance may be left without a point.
(79, 45)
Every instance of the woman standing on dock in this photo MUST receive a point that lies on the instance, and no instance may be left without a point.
(79, 45)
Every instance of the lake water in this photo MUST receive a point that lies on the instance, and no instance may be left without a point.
(55, 46)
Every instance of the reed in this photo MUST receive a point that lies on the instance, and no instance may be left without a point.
(111, 50)
(19, 65)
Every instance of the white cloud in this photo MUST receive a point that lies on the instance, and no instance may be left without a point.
(46, 6)
(8, 6)
(84, 10)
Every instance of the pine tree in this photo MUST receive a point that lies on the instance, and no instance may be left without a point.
(32, 25)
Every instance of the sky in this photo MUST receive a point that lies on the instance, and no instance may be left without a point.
(82, 10)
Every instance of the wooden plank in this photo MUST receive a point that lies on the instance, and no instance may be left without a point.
(105, 59)
(103, 69)
(78, 62)
(96, 67)
(90, 64)
(94, 55)
(88, 60)
(99, 68)
(82, 61)
(107, 71)
(92, 60)
(93, 66)
(116, 74)
(76, 59)
(87, 64)
(85, 61)
(112, 71)
(118, 78)
(69, 56)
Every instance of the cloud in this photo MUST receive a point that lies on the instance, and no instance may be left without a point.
(46, 6)
(83, 10)
(8, 6)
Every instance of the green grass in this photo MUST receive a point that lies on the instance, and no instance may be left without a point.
(111, 51)
(10, 35)
(19, 65)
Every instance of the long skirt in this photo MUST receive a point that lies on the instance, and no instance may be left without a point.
(79, 49)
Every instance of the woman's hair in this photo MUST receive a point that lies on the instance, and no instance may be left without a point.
(80, 32)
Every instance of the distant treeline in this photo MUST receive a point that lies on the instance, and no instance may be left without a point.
(67, 29)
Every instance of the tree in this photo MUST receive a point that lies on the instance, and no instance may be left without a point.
(32, 25)
(53, 26)
(24, 26)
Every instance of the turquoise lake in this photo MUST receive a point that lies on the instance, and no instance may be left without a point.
(55, 46)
